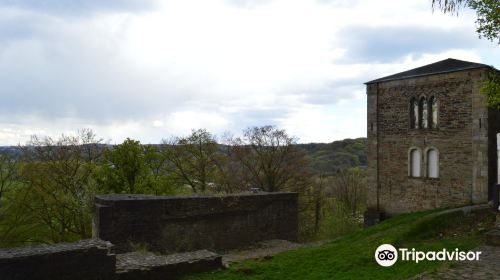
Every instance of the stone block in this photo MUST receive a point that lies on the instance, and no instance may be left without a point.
(144, 265)
(85, 260)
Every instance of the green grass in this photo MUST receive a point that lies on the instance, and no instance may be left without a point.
(352, 257)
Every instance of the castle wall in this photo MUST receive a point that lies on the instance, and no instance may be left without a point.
(85, 260)
(177, 224)
(480, 130)
(461, 141)
(493, 129)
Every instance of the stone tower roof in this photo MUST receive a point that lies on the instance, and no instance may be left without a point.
(443, 66)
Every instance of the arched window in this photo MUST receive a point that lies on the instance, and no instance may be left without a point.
(414, 113)
(422, 107)
(432, 163)
(414, 162)
(433, 112)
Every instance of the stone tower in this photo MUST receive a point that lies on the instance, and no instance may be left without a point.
(431, 139)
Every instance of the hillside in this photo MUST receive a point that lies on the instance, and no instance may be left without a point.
(332, 157)
(325, 157)
(352, 257)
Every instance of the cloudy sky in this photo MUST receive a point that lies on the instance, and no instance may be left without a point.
(150, 69)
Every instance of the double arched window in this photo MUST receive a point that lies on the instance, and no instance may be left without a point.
(431, 161)
(423, 112)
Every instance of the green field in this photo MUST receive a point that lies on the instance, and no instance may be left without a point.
(352, 257)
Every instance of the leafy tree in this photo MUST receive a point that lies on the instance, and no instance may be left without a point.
(58, 189)
(487, 11)
(124, 169)
(160, 178)
(488, 25)
(491, 88)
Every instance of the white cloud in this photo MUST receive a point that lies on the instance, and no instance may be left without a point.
(222, 65)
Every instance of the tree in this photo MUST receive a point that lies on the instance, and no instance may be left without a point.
(160, 178)
(491, 88)
(8, 174)
(487, 11)
(349, 190)
(231, 173)
(271, 160)
(488, 25)
(58, 184)
(124, 169)
(195, 160)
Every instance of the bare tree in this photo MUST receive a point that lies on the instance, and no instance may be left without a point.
(270, 159)
(349, 190)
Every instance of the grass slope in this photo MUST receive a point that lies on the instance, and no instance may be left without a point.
(352, 257)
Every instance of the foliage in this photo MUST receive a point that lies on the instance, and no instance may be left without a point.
(488, 18)
(57, 185)
(491, 88)
(351, 257)
(47, 186)
(488, 25)
(332, 205)
(134, 168)
(487, 11)
(160, 180)
(18, 226)
(8, 173)
(349, 190)
(330, 158)
(124, 169)
(196, 160)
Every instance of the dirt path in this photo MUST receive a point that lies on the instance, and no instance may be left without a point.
(487, 267)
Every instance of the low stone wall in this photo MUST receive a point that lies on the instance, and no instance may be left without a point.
(179, 224)
(85, 259)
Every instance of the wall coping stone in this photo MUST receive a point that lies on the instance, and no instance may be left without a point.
(127, 197)
(45, 249)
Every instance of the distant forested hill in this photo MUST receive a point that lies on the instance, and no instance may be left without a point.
(9, 150)
(324, 157)
(332, 157)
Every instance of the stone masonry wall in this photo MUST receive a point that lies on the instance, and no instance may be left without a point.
(461, 138)
(177, 224)
(85, 260)
(493, 129)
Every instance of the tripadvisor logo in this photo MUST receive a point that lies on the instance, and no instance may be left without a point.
(387, 255)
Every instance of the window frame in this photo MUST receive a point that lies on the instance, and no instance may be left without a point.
(427, 162)
(410, 162)
(433, 108)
